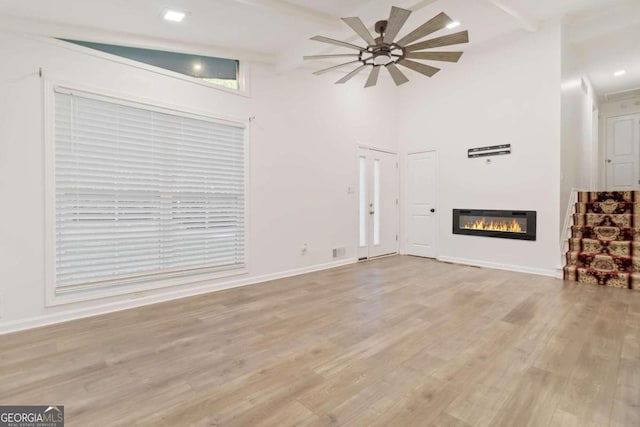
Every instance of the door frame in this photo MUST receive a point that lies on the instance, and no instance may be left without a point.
(405, 204)
(605, 151)
(398, 204)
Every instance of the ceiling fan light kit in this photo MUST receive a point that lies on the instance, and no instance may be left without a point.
(383, 51)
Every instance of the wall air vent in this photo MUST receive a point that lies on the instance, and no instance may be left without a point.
(339, 252)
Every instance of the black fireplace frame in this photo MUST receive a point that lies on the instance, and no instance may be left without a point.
(530, 217)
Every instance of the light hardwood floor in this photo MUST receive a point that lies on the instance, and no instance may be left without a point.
(394, 342)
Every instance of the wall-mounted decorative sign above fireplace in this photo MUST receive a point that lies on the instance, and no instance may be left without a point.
(519, 225)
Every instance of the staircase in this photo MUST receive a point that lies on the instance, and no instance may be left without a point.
(604, 247)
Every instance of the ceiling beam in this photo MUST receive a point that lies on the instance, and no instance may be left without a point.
(526, 22)
(421, 5)
(601, 22)
(294, 11)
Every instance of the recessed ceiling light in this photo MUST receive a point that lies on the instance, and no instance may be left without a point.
(620, 73)
(197, 67)
(174, 15)
(453, 24)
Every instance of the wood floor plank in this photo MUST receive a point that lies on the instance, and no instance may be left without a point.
(395, 341)
(631, 339)
(626, 403)
(534, 402)
(591, 388)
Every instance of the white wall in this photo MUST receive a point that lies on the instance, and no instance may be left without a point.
(579, 143)
(506, 94)
(303, 157)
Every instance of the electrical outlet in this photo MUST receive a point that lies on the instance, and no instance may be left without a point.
(303, 251)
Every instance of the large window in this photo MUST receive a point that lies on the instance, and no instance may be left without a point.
(143, 193)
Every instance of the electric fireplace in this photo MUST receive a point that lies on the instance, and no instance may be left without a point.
(519, 225)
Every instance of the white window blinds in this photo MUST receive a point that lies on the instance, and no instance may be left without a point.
(141, 192)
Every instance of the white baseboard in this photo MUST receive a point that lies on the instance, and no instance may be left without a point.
(499, 266)
(184, 292)
(559, 273)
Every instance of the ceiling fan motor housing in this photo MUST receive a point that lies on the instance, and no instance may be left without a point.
(381, 27)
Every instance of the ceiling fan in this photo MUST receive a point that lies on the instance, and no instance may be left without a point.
(383, 51)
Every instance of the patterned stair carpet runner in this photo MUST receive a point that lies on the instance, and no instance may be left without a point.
(604, 248)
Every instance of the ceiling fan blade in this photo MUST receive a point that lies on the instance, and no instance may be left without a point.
(335, 67)
(397, 75)
(324, 39)
(436, 23)
(427, 70)
(435, 56)
(455, 38)
(351, 74)
(340, 55)
(396, 20)
(373, 77)
(357, 26)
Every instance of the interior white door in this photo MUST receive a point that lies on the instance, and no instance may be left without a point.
(623, 153)
(421, 219)
(378, 203)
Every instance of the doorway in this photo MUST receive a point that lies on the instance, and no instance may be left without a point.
(378, 203)
(421, 211)
(623, 153)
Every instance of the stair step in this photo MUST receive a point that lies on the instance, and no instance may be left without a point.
(614, 279)
(603, 262)
(606, 220)
(603, 196)
(604, 247)
(605, 233)
(612, 247)
(608, 207)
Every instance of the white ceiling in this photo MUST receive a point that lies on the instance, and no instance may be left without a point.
(605, 32)
(608, 39)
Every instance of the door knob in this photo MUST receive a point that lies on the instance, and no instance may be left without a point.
(432, 210)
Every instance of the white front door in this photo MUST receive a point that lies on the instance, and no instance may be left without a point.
(623, 153)
(421, 218)
(378, 203)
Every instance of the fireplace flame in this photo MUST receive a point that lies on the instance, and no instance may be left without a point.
(484, 224)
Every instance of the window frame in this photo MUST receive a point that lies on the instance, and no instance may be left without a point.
(244, 68)
(56, 295)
